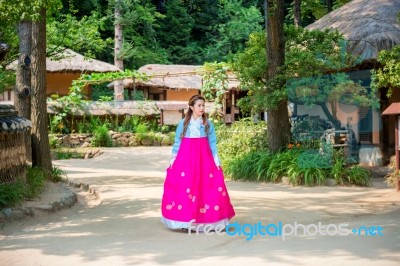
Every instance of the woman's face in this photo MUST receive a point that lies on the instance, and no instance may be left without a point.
(198, 108)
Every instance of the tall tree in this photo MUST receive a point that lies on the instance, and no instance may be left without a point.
(40, 138)
(329, 5)
(278, 126)
(22, 100)
(297, 12)
(118, 41)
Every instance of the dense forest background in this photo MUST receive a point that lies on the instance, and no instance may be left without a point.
(161, 31)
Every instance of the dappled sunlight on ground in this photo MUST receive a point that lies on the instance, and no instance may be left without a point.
(126, 228)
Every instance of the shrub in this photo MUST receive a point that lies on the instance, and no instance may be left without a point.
(357, 175)
(11, 194)
(245, 168)
(101, 137)
(239, 139)
(57, 175)
(35, 180)
(141, 128)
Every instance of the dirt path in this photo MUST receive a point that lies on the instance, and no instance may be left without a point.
(126, 228)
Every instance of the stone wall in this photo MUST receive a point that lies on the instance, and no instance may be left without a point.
(124, 139)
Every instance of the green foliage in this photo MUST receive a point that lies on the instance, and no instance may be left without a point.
(177, 43)
(63, 155)
(308, 56)
(57, 175)
(251, 71)
(11, 194)
(317, 90)
(246, 167)
(7, 79)
(215, 84)
(309, 129)
(302, 167)
(357, 175)
(338, 166)
(312, 10)
(66, 105)
(81, 35)
(389, 75)
(308, 176)
(140, 22)
(141, 128)
(237, 22)
(239, 139)
(101, 137)
(35, 180)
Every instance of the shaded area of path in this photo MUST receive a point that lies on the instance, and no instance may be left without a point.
(126, 228)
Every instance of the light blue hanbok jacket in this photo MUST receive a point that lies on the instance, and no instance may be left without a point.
(196, 129)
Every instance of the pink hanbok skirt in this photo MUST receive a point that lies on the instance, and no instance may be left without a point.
(195, 194)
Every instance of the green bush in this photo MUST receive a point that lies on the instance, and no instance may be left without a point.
(11, 194)
(101, 137)
(35, 181)
(357, 175)
(239, 139)
(53, 142)
(338, 166)
(57, 175)
(141, 128)
(244, 168)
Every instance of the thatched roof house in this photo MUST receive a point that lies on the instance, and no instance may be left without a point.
(73, 62)
(178, 77)
(368, 25)
(171, 82)
(63, 68)
(12, 145)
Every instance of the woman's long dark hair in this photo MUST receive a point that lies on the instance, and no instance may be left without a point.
(189, 113)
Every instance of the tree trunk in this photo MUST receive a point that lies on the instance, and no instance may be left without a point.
(297, 13)
(336, 123)
(277, 118)
(22, 100)
(118, 61)
(297, 23)
(329, 5)
(40, 138)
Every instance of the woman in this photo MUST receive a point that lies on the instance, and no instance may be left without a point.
(195, 194)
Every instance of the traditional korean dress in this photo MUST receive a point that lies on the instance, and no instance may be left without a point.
(194, 188)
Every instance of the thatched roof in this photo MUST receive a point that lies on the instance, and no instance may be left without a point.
(141, 108)
(73, 62)
(173, 77)
(369, 25)
(10, 122)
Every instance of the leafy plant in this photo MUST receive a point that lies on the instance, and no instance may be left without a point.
(35, 179)
(215, 85)
(279, 164)
(141, 128)
(338, 166)
(389, 75)
(357, 175)
(57, 175)
(101, 137)
(11, 194)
